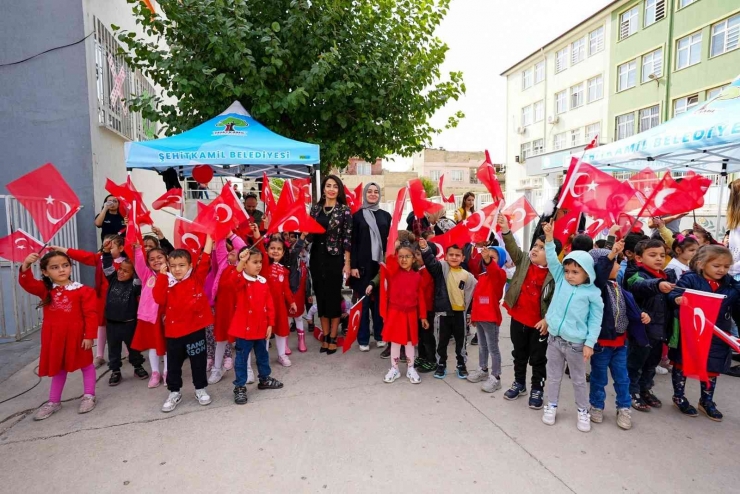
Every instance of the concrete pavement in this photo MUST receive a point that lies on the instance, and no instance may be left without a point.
(336, 427)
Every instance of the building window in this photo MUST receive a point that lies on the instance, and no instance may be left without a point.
(575, 137)
(539, 111)
(628, 23)
(527, 116)
(561, 60)
(684, 3)
(527, 78)
(576, 96)
(434, 175)
(592, 131)
(654, 11)
(526, 151)
(561, 102)
(649, 118)
(682, 105)
(538, 147)
(558, 141)
(713, 93)
(595, 41)
(474, 176)
(625, 126)
(595, 88)
(456, 176)
(626, 75)
(689, 51)
(652, 64)
(578, 51)
(539, 72)
(725, 36)
(364, 168)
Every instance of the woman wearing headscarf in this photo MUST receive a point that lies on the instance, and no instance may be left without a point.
(370, 228)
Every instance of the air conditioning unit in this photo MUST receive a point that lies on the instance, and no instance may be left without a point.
(552, 120)
(516, 159)
(521, 130)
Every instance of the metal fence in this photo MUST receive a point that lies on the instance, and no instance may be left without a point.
(19, 315)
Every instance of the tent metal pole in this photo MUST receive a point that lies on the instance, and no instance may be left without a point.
(318, 184)
(722, 185)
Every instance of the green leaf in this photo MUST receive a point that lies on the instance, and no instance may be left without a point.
(275, 27)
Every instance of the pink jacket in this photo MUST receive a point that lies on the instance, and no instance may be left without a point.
(148, 308)
(220, 262)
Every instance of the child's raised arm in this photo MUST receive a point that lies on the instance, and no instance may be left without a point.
(510, 245)
(28, 281)
(431, 262)
(553, 263)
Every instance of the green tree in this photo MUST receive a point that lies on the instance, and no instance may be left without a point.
(429, 187)
(358, 78)
(230, 122)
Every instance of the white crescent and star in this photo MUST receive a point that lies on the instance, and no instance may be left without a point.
(18, 242)
(479, 214)
(567, 225)
(573, 184)
(229, 213)
(52, 219)
(283, 228)
(700, 314)
(516, 219)
(661, 197)
(355, 320)
(189, 236)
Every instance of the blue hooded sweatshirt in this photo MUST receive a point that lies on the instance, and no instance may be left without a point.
(575, 312)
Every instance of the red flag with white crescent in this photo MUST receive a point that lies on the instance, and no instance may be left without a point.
(520, 213)
(18, 245)
(295, 219)
(223, 215)
(419, 201)
(353, 326)
(479, 222)
(173, 198)
(450, 199)
(267, 198)
(487, 176)
(396, 219)
(566, 226)
(188, 236)
(699, 311)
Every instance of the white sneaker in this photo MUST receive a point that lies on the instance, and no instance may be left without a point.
(413, 376)
(284, 361)
(477, 376)
(491, 385)
(250, 375)
(584, 421)
(548, 417)
(172, 401)
(216, 375)
(392, 375)
(364, 348)
(381, 344)
(202, 396)
(661, 370)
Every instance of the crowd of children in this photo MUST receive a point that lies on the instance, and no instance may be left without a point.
(615, 306)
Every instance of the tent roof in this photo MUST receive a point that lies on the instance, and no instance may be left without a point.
(705, 139)
(234, 141)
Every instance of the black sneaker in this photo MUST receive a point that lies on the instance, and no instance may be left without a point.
(141, 373)
(474, 341)
(441, 372)
(115, 378)
(462, 372)
(423, 366)
(386, 353)
(709, 409)
(240, 395)
(639, 404)
(269, 383)
(651, 400)
(535, 399)
(685, 407)
(514, 391)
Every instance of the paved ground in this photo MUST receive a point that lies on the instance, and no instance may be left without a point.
(336, 427)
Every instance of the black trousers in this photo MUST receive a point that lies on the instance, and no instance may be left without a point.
(327, 280)
(427, 343)
(193, 347)
(530, 347)
(449, 326)
(117, 334)
(641, 363)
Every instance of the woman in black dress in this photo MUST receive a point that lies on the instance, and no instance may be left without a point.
(110, 220)
(370, 228)
(330, 257)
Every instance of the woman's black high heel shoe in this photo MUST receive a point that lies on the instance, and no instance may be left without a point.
(325, 341)
(332, 341)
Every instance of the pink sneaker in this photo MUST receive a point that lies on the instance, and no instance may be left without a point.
(47, 410)
(287, 350)
(155, 380)
(87, 404)
(228, 363)
(284, 361)
(209, 365)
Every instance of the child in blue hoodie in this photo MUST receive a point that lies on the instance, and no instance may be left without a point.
(574, 324)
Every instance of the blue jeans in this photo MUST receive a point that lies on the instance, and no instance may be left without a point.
(243, 347)
(615, 359)
(363, 335)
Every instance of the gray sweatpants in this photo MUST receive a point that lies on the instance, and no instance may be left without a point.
(559, 352)
(488, 345)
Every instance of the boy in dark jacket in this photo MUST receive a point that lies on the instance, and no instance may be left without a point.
(650, 286)
(622, 319)
(527, 301)
(121, 306)
(453, 292)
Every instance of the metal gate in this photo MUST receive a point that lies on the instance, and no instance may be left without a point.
(19, 315)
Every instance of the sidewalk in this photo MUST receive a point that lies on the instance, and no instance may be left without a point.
(336, 427)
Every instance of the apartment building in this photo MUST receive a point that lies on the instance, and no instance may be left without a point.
(459, 168)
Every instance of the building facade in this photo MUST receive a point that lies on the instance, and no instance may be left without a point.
(458, 167)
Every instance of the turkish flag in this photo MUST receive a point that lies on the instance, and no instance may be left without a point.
(170, 199)
(698, 312)
(593, 191)
(188, 236)
(127, 194)
(18, 245)
(267, 198)
(302, 189)
(626, 223)
(520, 214)
(49, 200)
(353, 326)
(419, 201)
(644, 183)
(295, 219)
(396, 219)
(286, 200)
(479, 223)
(223, 215)
(133, 232)
(354, 198)
(450, 199)
(695, 187)
(566, 226)
(458, 235)
(487, 176)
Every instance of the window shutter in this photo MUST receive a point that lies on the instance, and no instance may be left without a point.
(733, 34)
(624, 29)
(659, 10)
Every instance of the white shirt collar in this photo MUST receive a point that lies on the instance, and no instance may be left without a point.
(172, 281)
(69, 287)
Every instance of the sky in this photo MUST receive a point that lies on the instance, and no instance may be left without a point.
(485, 38)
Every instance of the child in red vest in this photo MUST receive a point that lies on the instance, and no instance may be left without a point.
(180, 291)
(486, 315)
(252, 323)
(68, 330)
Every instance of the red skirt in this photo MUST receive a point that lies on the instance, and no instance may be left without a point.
(224, 310)
(149, 335)
(401, 327)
